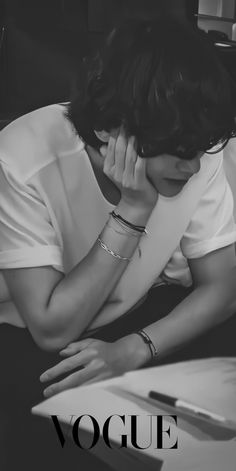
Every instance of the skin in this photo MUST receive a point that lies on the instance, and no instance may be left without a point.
(169, 174)
(49, 301)
(200, 311)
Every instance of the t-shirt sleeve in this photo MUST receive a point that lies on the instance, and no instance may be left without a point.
(212, 225)
(27, 235)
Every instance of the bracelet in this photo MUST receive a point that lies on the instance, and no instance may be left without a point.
(125, 234)
(135, 227)
(126, 231)
(111, 252)
(149, 342)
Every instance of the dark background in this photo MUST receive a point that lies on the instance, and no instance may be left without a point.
(42, 43)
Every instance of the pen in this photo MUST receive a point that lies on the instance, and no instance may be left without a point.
(186, 406)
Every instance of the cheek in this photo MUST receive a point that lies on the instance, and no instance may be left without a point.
(154, 169)
(161, 168)
(153, 176)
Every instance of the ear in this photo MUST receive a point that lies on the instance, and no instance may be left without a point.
(102, 135)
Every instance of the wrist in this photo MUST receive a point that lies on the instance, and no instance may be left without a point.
(134, 351)
(148, 341)
(134, 212)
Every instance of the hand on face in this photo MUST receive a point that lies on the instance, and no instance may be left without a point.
(144, 177)
(127, 170)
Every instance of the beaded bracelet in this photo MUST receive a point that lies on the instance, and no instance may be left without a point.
(149, 342)
(111, 252)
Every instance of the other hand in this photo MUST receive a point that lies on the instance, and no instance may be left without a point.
(97, 360)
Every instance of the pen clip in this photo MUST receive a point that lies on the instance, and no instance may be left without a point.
(200, 412)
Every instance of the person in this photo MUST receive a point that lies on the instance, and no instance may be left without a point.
(116, 222)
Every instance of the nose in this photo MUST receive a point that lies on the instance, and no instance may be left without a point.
(189, 167)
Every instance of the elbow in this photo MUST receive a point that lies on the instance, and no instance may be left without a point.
(51, 338)
(51, 333)
(49, 343)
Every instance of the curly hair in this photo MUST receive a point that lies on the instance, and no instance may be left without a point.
(163, 81)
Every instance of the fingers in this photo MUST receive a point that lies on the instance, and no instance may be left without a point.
(103, 151)
(99, 377)
(109, 161)
(114, 163)
(76, 347)
(130, 160)
(120, 155)
(90, 373)
(128, 171)
(70, 382)
(69, 364)
(140, 169)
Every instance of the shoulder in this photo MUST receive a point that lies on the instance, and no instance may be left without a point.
(210, 179)
(216, 190)
(37, 139)
(212, 165)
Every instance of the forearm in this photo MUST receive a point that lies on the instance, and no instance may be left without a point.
(77, 298)
(58, 308)
(206, 307)
(201, 310)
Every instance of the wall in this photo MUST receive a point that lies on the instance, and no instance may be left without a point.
(217, 7)
(220, 8)
(46, 41)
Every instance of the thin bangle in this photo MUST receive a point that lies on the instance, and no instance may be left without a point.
(149, 342)
(135, 227)
(127, 232)
(125, 229)
(111, 252)
(128, 228)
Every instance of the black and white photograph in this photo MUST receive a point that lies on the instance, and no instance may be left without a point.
(118, 235)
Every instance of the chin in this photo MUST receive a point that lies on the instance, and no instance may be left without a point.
(171, 190)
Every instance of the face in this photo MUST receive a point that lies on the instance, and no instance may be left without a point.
(166, 172)
(169, 174)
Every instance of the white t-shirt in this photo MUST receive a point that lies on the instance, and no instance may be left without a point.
(52, 208)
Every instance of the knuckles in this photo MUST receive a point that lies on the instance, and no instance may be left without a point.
(100, 363)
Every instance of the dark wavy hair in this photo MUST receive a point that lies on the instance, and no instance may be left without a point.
(163, 81)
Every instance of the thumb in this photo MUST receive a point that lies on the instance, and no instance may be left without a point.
(103, 151)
